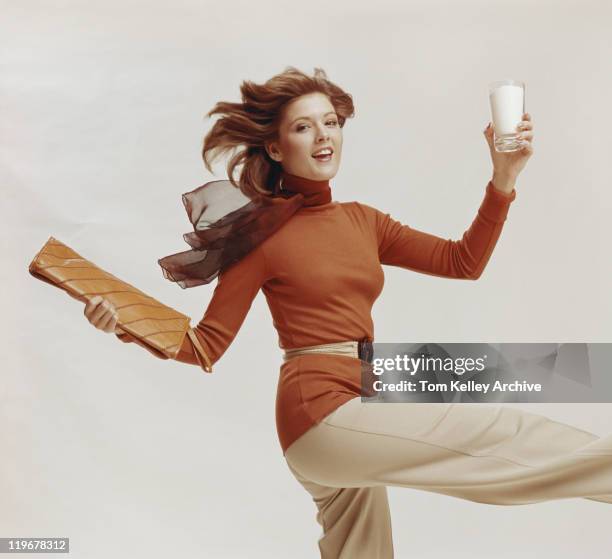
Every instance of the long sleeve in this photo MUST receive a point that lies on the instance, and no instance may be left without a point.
(403, 246)
(232, 298)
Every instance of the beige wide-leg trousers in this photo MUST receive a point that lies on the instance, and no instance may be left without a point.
(487, 454)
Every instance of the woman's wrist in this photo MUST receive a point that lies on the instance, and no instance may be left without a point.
(503, 184)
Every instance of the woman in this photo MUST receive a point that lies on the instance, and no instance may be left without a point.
(321, 273)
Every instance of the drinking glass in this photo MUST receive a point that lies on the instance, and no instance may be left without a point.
(507, 103)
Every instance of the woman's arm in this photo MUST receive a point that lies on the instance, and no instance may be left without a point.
(400, 245)
(236, 288)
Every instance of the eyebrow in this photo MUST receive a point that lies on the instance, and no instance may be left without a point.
(308, 118)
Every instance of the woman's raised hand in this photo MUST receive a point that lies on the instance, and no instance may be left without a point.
(102, 314)
(508, 165)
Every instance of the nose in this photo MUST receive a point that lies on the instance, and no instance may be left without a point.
(323, 133)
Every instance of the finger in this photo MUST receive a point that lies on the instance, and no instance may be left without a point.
(526, 135)
(113, 324)
(105, 322)
(488, 138)
(100, 311)
(92, 304)
(526, 116)
(110, 327)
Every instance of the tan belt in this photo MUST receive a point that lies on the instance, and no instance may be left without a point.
(350, 348)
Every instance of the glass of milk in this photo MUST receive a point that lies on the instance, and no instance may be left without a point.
(507, 101)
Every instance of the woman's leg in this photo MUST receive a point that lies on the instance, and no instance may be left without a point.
(356, 521)
(495, 455)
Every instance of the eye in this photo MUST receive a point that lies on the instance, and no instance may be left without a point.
(301, 127)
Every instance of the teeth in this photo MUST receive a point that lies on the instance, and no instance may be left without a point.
(323, 152)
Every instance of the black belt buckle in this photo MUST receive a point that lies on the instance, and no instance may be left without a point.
(365, 350)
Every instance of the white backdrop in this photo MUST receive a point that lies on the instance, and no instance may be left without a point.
(103, 107)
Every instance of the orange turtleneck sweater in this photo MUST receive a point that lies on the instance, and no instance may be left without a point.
(321, 274)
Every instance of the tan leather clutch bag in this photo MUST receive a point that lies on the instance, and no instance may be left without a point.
(158, 326)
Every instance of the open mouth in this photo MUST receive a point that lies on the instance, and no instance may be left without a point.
(327, 156)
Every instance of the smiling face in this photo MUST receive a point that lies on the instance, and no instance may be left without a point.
(309, 123)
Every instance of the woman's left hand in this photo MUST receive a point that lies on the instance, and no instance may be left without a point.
(508, 165)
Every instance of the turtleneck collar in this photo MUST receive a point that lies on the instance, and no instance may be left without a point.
(315, 193)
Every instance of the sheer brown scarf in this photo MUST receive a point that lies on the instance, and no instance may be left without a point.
(228, 224)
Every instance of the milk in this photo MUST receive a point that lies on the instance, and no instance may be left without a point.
(507, 108)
